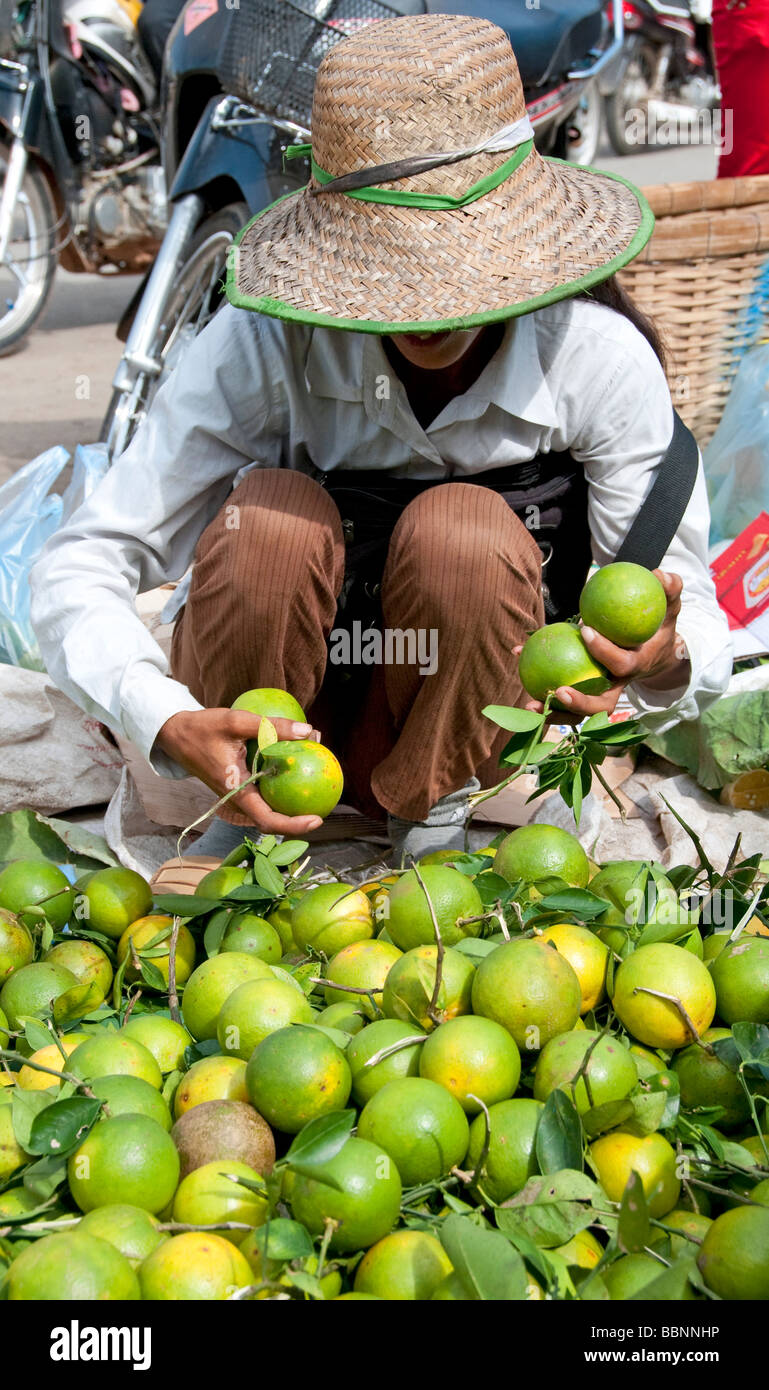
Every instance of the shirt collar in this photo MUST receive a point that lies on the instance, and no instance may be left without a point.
(337, 363)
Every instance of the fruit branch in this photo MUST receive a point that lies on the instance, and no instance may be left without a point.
(671, 999)
(392, 1049)
(432, 1007)
(69, 1076)
(173, 995)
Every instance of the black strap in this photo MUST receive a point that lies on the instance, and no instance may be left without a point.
(660, 515)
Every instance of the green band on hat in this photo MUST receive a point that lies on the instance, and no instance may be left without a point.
(435, 201)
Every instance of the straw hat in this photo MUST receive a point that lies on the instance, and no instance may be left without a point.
(428, 244)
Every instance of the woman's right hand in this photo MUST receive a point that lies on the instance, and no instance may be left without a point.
(211, 744)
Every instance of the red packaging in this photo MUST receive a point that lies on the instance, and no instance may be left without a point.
(741, 574)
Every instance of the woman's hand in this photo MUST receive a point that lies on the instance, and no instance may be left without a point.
(211, 744)
(661, 663)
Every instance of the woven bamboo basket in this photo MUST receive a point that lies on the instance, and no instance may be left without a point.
(704, 279)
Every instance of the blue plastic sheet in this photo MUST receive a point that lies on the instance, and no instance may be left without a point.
(737, 458)
(29, 514)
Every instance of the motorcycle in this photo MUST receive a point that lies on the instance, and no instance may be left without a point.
(238, 90)
(82, 182)
(667, 85)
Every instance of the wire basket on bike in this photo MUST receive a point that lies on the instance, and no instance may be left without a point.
(274, 47)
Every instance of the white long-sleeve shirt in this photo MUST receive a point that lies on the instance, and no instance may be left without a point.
(254, 391)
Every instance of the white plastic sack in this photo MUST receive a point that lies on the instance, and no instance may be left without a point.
(737, 457)
(29, 515)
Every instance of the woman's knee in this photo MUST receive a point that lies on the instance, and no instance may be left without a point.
(276, 524)
(459, 540)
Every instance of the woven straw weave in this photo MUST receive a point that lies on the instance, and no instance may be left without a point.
(704, 278)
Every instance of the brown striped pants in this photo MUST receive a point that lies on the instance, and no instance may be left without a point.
(268, 571)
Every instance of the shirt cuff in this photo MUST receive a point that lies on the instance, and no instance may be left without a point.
(160, 697)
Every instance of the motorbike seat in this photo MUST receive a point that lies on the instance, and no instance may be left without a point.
(548, 40)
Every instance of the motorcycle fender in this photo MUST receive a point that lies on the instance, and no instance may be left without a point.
(614, 72)
(22, 110)
(245, 155)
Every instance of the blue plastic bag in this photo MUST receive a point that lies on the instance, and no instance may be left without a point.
(737, 458)
(29, 515)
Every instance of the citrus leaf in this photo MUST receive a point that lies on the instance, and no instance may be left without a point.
(484, 1261)
(152, 976)
(654, 1104)
(514, 719)
(283, 1239)
(252, 893)
(214, 932)
(320, 1140)
(27, 1105)
(577, 900)
(170, 1084)
(559, 1135)
(288, 851)
(63, 1125)
(599, 1118)
(267, 734)
(267, 876)
(37, 1035)
(550, 1210)
(43, 1178)
(186, 905)
(671, 1285)
(306, 1283)
(633, 1229)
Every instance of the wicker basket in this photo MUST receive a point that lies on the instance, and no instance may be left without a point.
(704, 278)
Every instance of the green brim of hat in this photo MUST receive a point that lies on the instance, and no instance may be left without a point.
(240, 263)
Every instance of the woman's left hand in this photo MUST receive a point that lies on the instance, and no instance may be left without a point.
(661, 663)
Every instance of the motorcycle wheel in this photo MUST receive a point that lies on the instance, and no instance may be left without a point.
(632, 95)
(582, 131)
(194, 299)
(26, 273)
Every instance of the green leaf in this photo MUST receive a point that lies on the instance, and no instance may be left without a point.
(288, 852)
(252, 893)
(633, 1229)
(752, 1042)
(170, 1084)
(656, 1106)
(550, 1210)
(306, 1283)
(320, 1141)
(515, 720)
(43, 1178)
(267, 876)
(600, 1118)
(60, 1127)
(75, 1003)
(484, 1261)
(283, 1239)
(186, 905)
(578, 901)
(215, 931)
(266, 734)
(27, 1105)
(559, 1135)
(151, 975)
(37, 1035)
(671, 1285)
(621, 735)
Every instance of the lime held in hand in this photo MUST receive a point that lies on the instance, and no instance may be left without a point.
(556, 655)
(625, 603)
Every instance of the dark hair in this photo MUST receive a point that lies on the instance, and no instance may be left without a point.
(611, 293)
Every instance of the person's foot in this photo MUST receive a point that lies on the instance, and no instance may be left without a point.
(443, 828)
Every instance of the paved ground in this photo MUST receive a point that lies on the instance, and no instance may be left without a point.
(56, 389)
